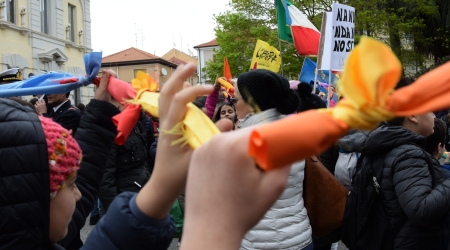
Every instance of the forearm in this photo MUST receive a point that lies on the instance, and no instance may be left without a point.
(201, 234)
(158, 195)
(211, 102)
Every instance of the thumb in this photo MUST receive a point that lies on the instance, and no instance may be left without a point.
(224, 125)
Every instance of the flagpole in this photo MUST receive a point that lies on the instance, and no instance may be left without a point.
(329, 88)
(281, 56)
(279, 42)
(315, 80)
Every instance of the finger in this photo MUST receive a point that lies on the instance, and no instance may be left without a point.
(172, 86)
(178, 108)
(104, 80)
(186, 85)
(112, 73)
(224, 125)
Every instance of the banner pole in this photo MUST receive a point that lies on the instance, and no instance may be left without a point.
(279, 42)
(329, 88)
(281, 57)
(315, 80)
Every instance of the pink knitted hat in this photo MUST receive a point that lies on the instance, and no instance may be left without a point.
(64, 154)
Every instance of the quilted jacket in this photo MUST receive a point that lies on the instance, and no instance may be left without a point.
(286, 224)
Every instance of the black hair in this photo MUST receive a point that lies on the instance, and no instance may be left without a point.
(307, 99)
(81, 106)
(264, 89)
(437, 137)
(67, 94)
(217, 115)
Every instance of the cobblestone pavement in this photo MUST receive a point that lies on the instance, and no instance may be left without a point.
(174, 246)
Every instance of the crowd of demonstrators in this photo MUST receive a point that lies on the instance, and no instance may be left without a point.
(60, 161)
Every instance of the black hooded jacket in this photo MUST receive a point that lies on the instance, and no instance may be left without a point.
(24, 173)
(126, 168)
(407, 190)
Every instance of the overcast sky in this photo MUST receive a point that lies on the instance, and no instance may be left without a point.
(163, 22)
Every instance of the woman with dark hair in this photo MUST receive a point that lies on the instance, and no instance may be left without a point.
(225, 110)
(269, 97)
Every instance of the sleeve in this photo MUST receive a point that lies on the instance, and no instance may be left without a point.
(108, 189)
(95, 136)
(69, 120)
(211, 102)
(422, 203)
(124, 226)
(153, 149)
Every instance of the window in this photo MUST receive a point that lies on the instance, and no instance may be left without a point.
(10, 11)
(72, 23)
(135, 71)
(44, 16)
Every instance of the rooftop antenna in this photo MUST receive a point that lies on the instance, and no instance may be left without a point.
(135, 32)
(181, 39)
(143, 38)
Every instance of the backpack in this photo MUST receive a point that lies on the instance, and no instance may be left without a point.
(365, 224)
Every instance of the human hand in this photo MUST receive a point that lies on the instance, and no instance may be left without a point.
(226, 187)
(41, 107)
(102, 93)
(217, 83)
(171, 164)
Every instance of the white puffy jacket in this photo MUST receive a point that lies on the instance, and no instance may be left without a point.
(286, 224)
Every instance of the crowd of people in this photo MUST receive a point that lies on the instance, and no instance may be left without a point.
(60, 164)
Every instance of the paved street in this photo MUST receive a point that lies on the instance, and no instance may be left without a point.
(174, 246)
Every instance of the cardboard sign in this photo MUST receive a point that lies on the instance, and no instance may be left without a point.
(266, 57)
(343, 33)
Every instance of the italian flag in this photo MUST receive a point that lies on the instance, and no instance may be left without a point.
(294, 27)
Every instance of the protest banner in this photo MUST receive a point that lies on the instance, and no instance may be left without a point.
(343, 33)
(266, 57)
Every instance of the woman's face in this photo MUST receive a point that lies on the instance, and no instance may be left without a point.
(242, 108)
(227, 112)
(62, 208)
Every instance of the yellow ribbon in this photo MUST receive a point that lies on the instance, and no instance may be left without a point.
(195, 129)
(370, 75)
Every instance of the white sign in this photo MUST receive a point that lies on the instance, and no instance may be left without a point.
(343, 33)
(324, 57)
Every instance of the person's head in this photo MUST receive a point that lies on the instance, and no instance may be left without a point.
(260, 90)
(23, 102)
(307, 99)
(43, 158)
(56, 99)
(81, 106)
(225, 111)
(200, 103)
(419, 124)
(33, 101)
(332, 89)
(435, 143)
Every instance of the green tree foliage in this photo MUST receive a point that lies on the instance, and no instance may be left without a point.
(418, 31)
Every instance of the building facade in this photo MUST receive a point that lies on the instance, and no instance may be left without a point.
(41, 36)
(128, 62)
(205, 54)
(179, 57)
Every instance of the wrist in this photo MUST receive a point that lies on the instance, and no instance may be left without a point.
(156, 198)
